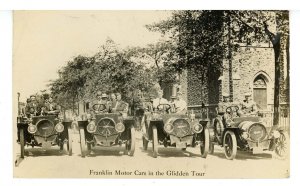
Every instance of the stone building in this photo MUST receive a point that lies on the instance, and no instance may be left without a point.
(252, 71)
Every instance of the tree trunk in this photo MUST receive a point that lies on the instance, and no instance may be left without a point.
(277, 48)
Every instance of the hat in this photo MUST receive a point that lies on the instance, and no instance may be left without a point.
(32, 96)
(225, 95)
(104, 95)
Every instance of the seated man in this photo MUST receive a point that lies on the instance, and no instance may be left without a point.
(31, 106)
(180, 104)
(50, 107)
(160, 103)
(119, 106)
(222, 106)
(248, 106)
(102, 103)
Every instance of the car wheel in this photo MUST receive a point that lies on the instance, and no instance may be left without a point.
(230, 145)
(282, 145)
(145, 143)
(204, 145)
(154, 141)
(22, 143)
(70, 140)
(211, 148)
(131, 145)
(82, 142)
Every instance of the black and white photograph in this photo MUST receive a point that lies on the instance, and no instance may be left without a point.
(189, 94)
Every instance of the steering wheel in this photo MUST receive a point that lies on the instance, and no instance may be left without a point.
(161, 107)
(99, 107)
(232, 109)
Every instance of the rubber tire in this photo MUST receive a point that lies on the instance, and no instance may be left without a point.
(145, 143)
(22, 143)
(131, 145)
(154, 141)
(70, 140)
(233, 146)
(284, 138)
(204, 148)
(82, 142)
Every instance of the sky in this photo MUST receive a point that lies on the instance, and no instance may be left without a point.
(43, 41)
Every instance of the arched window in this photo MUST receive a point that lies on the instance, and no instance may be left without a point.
(260, 92)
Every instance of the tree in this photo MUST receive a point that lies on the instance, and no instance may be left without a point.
(204, 38)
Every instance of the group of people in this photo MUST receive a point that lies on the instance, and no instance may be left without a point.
(236, 109)
(35, 108)
(110, 104)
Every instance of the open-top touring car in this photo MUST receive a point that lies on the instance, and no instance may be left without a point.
(162, 127)
(106, 129)
(247, 133)
(44, 131)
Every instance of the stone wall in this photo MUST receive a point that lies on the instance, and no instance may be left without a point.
(247, 64)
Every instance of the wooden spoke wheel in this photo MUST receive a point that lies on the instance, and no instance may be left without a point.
(230, 145)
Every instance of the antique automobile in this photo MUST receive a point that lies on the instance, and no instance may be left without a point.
(246, 133)
(47, 130)
(106, 129)
(163, 127)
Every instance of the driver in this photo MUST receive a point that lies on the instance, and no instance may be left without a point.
(221, 109)
(248, 105)
(102, 101)
(159, 101)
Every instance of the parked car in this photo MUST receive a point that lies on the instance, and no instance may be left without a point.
(106, 129)
(44, 131)
(161, 127)
(246, 133)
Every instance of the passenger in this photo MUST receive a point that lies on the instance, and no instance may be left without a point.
(180, 104)
(51, 107)
(103, 103)
(120, 106)
(31, 106)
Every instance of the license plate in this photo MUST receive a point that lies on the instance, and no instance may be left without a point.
(257, 150)
(46, 145)
(181, 145)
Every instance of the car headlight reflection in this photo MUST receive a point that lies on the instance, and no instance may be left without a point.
(59, 127)
(168, 128)
(197, 128)
(91, 127)
(120, 127)
(276, 134)
(32, 129)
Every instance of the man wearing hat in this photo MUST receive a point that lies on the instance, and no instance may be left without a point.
(31, 106)
(221, 109)
(248, 105)
(180, 104)
(102, 100)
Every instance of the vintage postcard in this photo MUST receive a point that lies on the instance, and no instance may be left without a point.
(151, 94)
